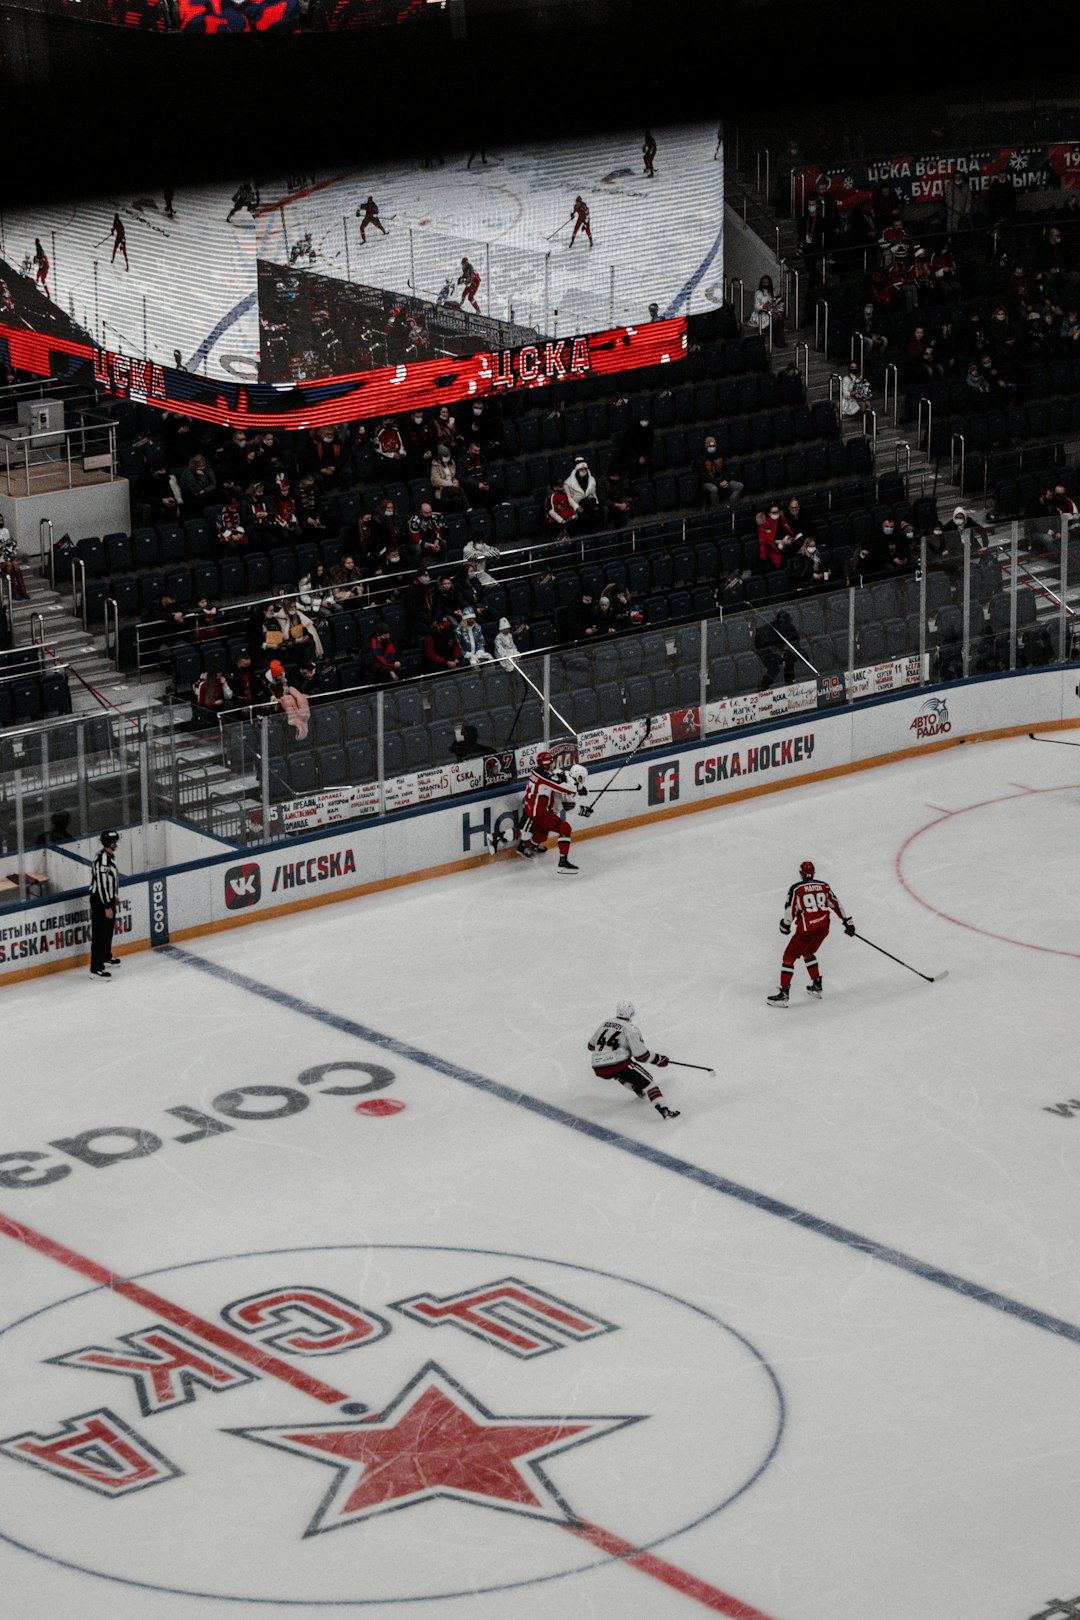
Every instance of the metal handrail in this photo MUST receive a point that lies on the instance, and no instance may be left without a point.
(112, 629)
(952, 459)
(78, 588)
(802, 351)
(45, 553)
(733, 282)
(891, 370)
(794, 304)
(902, 444)
(821, 325)
(871, 417)
(835, 377)
(929, 423)
(37, 624)
(52, 440)
(860, 339)
(7, 594)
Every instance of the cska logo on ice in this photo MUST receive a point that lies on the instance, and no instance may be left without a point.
(293, 1393)
(932, 719)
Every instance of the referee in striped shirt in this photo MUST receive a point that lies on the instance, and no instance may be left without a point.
(104, 891)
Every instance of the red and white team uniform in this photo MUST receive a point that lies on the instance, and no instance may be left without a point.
(371, 217)
(41, 259)
(618, 1051)
(810, 904)
(119, 236)
(549, 796)
(469, 280)
(580, 214)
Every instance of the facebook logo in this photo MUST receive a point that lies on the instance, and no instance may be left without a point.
(664, 782)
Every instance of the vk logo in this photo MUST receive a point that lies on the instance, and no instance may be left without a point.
(664, 782)
(243, 886)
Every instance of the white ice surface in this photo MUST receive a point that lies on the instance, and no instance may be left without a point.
(929, 1464)
(656, 234)
(191, 281)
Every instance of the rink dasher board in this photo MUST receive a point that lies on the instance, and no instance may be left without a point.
(243, 885)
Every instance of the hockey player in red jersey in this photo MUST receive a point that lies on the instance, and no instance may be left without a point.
(119, 236)
(41, 260)
(580, 215)
(648, 153)
(806, 920)
(371, 217)
(469, 281)
(548, 798)
(618, 1053)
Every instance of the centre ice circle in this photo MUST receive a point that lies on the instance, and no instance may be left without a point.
(505, 1397)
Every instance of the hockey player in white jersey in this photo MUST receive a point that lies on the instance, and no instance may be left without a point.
(618, 1051)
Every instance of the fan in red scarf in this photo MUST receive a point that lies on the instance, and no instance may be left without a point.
(549, 798)
(809, 904)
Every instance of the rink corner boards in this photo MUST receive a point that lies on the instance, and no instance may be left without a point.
(237, 885)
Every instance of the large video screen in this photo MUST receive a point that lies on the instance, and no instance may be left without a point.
(244, 16)
(349, 293)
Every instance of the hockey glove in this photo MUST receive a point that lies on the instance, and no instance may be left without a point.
(785, 926)
(659, 1060)
(849, 927)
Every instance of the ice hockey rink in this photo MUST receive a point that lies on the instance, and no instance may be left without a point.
(654, 239)
(457, 1329)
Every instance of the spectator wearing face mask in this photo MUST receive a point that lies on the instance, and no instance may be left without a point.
(479, 554)
(775, 538)
(716, 486)
(471, 639)
(580, 489)
(328, 459)
(505, 645)
(963, 526)
(636, 455)
(418, 437)
(440, 646)
(445, 484)
(419, 603)
(561, 512)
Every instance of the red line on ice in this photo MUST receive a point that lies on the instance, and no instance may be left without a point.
(710, 1596)
(221, 1338)
(678, 1579)
(987, 933)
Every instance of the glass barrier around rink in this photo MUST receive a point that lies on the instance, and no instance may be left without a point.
(61, 785)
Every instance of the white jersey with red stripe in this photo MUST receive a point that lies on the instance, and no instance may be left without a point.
(547, 793)
(616, 1042)
(809, 903)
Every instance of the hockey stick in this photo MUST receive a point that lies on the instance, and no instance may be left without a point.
(702, 1066)
(794, 649)
(930, 978)
(637, 789)
(562, 227)
(586, 810)
(519, 671)
(1060, 741)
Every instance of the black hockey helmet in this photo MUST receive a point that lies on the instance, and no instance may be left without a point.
(109, 839)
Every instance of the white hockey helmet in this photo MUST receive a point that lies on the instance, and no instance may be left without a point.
(625, 1009)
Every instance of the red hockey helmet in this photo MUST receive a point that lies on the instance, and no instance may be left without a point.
(806, 869)
(544, 760)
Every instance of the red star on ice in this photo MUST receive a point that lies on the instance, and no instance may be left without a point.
(435, 1439)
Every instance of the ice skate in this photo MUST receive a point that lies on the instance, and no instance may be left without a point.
(814, 989)
(566, 865)
(665, 1112)
(780, 999)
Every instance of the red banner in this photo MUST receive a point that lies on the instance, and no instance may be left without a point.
(356, 396)
(921, 179)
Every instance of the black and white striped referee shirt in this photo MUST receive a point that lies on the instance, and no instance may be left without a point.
(104, 885)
